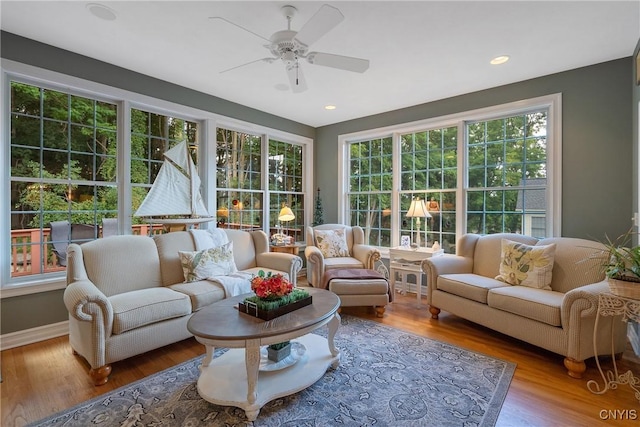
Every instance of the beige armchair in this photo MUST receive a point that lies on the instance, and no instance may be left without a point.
(358, 255)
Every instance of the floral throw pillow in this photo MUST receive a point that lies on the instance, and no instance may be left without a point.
(200, 265)
(332, 243)
(526, 265)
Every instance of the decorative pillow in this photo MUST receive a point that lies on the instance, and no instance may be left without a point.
(332, 243)
(526, 265)
(200, 265)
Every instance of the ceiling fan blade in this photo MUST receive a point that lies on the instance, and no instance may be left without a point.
(269, 60)
(239, 26)
(347, 63)
(296, 78)
(320, 24)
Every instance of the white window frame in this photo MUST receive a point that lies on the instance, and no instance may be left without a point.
(12, 70)
(552, 103)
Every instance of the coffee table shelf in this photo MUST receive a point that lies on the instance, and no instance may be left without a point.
(235, 379)
(224, 381)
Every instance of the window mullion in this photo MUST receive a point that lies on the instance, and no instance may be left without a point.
(123, 169)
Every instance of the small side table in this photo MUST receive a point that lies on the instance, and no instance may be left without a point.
(406, 261)
(288, 249)
(629, 308)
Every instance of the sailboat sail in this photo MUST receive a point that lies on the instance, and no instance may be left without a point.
(176, 189)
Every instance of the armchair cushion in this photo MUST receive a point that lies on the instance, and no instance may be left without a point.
(526, 265)
(200, 265)
(134, 309)
(332, 243)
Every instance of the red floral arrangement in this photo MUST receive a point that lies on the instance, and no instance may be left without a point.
(270, 286)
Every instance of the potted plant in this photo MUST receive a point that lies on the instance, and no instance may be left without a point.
(622, 267)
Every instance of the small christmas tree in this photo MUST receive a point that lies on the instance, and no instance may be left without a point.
(318, 214)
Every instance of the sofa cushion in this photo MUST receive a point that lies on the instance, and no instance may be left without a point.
(537, 304)
(216, 261)
(578, 262)
(134, 309)
(487, 250)
(332, 243)
(469, 286)
(122, 264)
(526, 265)
(342, 262)
(202, 293)
(168, 245)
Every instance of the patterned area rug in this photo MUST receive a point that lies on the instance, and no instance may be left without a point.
(386, 377)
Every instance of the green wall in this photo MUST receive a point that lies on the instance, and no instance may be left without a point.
(597, 191)
(597, 143)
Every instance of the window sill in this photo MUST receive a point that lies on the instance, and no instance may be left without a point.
(27, 288)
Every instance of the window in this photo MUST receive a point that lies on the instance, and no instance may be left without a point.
(485, 171)
(151, 136)
(242, 191)
(63, 174)
(239, 180)
(507, 161)
(286, 187)
(370, 185)
(429, 171)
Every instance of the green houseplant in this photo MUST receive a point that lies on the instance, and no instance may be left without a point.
(622, 266)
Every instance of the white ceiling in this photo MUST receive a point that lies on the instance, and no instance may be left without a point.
(420, 51)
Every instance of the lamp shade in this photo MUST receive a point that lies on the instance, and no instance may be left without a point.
(418, 209)
(286, 214)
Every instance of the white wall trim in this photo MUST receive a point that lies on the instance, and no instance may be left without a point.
(33, 335)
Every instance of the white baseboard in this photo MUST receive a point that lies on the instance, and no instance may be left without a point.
(29, 336)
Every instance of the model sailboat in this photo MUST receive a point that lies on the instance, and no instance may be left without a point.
(174, 199)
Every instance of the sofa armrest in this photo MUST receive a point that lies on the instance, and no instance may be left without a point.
(579, 312)
(582, 301)
(292, 264)
(86, 303)
(366, 254)
(444, 264)
(315, 264)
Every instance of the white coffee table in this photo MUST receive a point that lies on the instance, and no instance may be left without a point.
(235, 379)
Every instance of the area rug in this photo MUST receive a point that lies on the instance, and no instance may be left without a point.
(386, 377)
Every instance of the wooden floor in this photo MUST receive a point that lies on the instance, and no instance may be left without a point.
(44, 378)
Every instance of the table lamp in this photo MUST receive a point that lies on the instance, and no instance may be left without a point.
(286, 214)
(418, 210)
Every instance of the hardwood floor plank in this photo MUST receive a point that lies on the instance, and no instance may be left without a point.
(43, 378)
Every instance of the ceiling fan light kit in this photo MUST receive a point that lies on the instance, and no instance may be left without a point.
(290, 46)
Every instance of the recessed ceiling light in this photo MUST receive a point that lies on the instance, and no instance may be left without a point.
(329, 107)
(499, 60)
(101, 11)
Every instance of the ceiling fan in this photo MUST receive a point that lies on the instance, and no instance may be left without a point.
(290, 46)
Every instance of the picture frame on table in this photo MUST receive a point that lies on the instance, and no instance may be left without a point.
(405, 241)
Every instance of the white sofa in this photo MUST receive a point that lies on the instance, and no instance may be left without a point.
(126, 294)
(561, 320)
